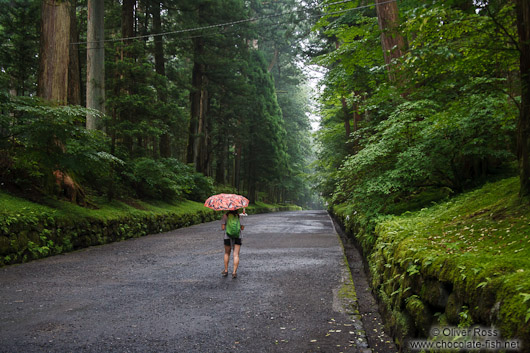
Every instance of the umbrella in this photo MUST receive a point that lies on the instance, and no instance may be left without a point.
(226, 202)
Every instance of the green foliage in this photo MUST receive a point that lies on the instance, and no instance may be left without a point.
(29, 230)
(167, 179)
(475, 247)
(265, 152)
(147, 89)
(424, 145)
(150, 179)
(446, 121)
(19, 35)
(37, 139)
(202, 188)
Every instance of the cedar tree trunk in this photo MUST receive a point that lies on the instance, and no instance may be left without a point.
(95, 86)
(54, 51)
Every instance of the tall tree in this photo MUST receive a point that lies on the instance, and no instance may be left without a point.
(54, 51)
(391, 40)
(264, 153)
(19, 35)
(74, 70)
(95, 94)
(160, 68)
(199, 105)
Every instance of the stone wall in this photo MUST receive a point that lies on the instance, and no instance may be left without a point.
(417, 295)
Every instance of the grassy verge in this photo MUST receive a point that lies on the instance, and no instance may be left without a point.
(462, 262)
(31, 230)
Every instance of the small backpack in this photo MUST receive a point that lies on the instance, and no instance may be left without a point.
(233, 226)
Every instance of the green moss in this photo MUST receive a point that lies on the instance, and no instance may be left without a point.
(66, 226)
(434, 293)
(347, 289)
(477, 244)
(453, 308)
(420, 314)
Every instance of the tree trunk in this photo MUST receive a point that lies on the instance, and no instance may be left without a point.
(237, 167)
(274, 60)
(127, 31)
(523, 125)
(199, 100)
(127, 19)
(95, 86)
(54, 51)
(356, 121)
(160, 68)
(391, 41)
(74, 71)
(201, 151)
(220, 168)
(347, 127)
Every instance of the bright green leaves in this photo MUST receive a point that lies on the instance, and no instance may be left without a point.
(38, 138)
(446, 42)
(445, 122)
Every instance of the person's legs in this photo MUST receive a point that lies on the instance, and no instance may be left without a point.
(228, 248)
(236, 258)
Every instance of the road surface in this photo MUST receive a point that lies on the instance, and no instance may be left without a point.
(165, 293)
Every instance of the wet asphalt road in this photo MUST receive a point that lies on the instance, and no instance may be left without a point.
(164, 293)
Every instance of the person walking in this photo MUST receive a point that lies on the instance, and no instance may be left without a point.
(231, 224)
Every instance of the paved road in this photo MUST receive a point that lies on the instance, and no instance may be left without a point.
(164, 293)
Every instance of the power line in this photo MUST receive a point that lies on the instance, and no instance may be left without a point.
(252, 19)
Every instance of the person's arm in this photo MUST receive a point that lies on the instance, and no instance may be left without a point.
(223, 222)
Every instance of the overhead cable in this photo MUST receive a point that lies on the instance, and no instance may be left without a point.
(246, 20)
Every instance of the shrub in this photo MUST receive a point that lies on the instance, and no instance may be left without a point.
(167, 179)
(37, 138)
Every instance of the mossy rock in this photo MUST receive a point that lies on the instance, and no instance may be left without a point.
(421, 315)
(19, 242)
(453, 308)
(434, 293)
(5, 246)
(403, 325)
(34, 237)
(487, 308)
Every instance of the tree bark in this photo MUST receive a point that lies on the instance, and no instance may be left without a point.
(74, 71)
(391, 41)
(160, 68)
(523, 125)
(199, 103)
(274, 60)
(54, 51)
(237, 166)
(127, 31)
(347, 127)
(127, 19)
(95, 87)
(222, 156)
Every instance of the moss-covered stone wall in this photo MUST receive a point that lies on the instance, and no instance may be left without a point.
(416, 294)
(27, 238)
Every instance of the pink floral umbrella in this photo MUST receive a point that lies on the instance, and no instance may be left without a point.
(226, 202)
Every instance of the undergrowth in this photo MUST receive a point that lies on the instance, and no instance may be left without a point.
(30, 230)
(475, 245)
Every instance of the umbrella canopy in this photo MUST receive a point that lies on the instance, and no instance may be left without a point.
(226, 202)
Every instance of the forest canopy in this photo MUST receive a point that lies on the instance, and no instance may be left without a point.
(179, 99)
(151, 99)
(421, 100)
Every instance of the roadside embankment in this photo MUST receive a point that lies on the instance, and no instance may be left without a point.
(30, 231)
(460, 263)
